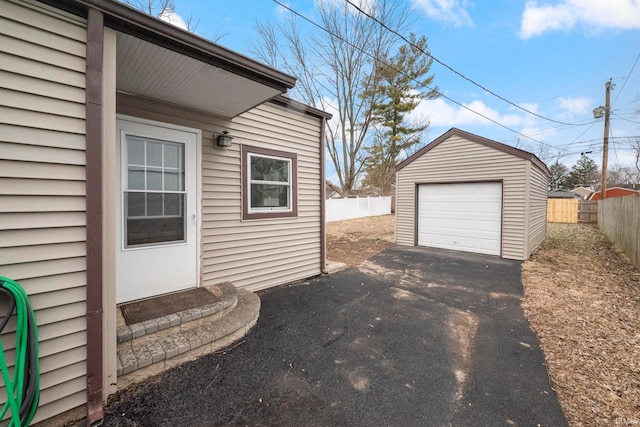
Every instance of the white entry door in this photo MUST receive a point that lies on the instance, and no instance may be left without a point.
(157, 209)
(462, 217)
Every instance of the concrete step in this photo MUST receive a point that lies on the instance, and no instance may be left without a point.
(226, 292)
(142, 357)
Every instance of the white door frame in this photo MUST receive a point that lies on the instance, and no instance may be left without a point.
(118, 203)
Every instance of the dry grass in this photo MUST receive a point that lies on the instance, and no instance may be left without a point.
(582, 297)
(353, 241)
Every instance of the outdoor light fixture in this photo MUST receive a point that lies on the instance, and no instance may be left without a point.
(598, 112)
(224, 140)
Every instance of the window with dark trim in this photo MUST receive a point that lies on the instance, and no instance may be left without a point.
(269, 183)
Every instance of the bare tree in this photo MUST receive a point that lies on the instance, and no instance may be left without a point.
(635, 147)
(625, 175)
(155, 8)
(337, 71)
(559, 173)
(165, 9)
(540, 149)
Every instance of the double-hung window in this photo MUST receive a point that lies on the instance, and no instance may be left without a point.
(269, 183)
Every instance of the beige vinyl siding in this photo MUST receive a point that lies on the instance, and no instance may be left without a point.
(42, 189)
(252, 254)
(537, 208)
(459, 160)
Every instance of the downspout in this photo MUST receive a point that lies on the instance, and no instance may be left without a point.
(95, 41)
(323, 240)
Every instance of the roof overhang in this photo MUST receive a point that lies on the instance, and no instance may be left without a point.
(159, 61)
(152, 71)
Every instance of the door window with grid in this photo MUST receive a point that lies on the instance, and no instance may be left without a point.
(154, 192)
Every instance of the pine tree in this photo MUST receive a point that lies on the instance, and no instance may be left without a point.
(402, 80)
(584, 173)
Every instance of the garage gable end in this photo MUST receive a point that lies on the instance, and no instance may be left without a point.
(480, 140)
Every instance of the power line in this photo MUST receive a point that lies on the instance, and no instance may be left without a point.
(626, 120)
(578, 137)
(568, 93)
(626, 79)
(459, 73)
(414, 80)
(543, 131)
(614, 148)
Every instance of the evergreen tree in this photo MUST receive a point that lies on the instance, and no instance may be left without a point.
(337, 72)
(401, 84)
(584, 173)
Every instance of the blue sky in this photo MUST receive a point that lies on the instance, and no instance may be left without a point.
(552, 57)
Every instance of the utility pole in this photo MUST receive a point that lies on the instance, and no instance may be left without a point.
(605, 151)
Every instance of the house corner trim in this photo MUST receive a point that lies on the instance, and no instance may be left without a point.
(94, 100)
(323, 197)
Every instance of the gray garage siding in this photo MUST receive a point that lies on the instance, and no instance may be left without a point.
(458, 157)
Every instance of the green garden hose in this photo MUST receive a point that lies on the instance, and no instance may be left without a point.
(23, 390)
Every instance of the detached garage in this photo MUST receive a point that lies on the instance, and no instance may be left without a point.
(468, 193)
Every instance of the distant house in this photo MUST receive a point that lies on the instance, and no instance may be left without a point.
(614, 192)
(365, 192)
(562, 194)
(583, 192)
(330, 192)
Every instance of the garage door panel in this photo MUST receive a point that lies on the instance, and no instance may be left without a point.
(463, 217)
(487, 208)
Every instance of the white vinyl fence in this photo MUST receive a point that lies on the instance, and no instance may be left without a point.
(338, 209)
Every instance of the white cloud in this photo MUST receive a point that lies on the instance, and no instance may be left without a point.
(565, 15)
(367, 6)
(173, 18)
(282, 13)
(573, 107)
(451, 11)
(442, 114)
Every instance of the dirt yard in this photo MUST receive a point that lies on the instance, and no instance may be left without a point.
(582, 297)
(353, 241)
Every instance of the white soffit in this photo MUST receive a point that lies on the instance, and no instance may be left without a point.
(151, 71)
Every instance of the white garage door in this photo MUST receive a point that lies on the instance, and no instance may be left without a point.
(463, 217)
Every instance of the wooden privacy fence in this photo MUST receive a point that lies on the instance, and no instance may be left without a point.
(571, 211)
(588, 211)
(619, 219)
(562, 210)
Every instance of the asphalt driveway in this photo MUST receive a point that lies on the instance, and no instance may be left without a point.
(414, 337)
